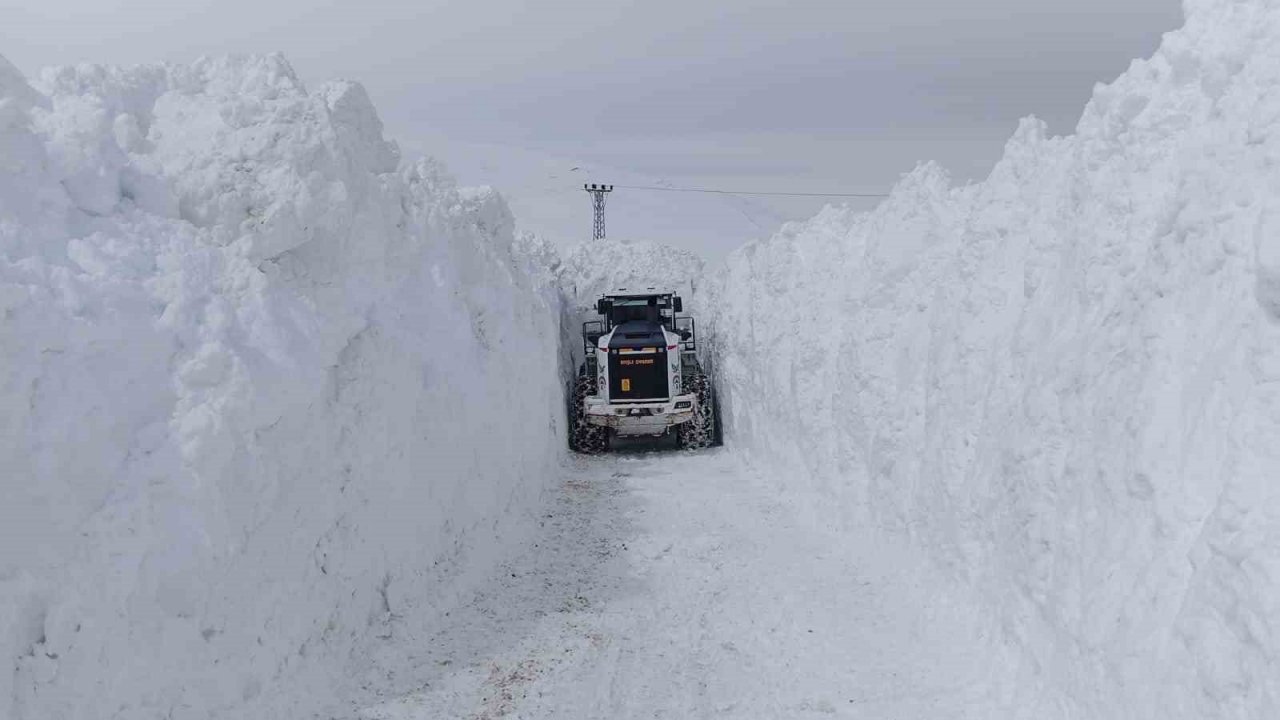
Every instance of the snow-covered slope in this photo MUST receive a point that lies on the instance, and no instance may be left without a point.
(253, 373)
(1063, 382)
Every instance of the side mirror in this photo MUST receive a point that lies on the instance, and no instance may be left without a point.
(593, 338)
(603, 306)
(685, 334)
(677, 305)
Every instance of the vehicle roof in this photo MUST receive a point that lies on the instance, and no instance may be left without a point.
(652, 293)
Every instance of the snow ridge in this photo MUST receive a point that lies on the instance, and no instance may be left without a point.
(253, 369)
(1061, 382)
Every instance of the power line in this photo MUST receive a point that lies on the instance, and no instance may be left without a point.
(745, 192)
(747, 215)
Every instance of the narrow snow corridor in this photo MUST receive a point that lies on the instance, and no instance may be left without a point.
(683, 586)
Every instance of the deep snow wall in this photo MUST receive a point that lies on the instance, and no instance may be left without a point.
(1063, 382)
(255, 372)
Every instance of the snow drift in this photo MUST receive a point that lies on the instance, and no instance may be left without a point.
(254, 370)
(594, 268)
(1063, 382)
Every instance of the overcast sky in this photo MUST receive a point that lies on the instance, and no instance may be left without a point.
(806, 96)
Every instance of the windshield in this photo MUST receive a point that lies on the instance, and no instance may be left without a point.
(629, 309)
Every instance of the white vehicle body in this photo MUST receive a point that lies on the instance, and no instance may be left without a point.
(645, 415)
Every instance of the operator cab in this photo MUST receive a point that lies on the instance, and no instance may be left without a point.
(619, 309)
(640, 313)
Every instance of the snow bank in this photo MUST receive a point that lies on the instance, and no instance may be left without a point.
(1063, 382)
(594, 268)
(254, 371)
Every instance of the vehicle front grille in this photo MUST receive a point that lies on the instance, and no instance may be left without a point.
(638, 374)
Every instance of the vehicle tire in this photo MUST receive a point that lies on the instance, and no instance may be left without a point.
(584, 437)
(700, 432)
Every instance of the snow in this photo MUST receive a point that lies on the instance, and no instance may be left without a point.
(1060, 384)
(284, 423)
(255, 368)
(684, 585)
(594, 268)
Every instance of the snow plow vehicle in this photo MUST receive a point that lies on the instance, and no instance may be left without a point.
(641, 376)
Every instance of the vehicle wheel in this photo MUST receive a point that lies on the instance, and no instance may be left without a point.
(700, 432)
(583, 436)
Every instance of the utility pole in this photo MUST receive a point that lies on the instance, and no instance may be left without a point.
(598, 193)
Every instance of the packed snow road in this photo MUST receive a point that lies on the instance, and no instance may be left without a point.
(684, 586)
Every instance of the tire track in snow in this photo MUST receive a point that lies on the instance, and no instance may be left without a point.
(668, 585)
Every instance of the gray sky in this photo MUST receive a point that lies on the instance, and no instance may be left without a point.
(805, 96)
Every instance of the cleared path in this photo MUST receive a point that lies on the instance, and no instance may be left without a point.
(669, 585)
